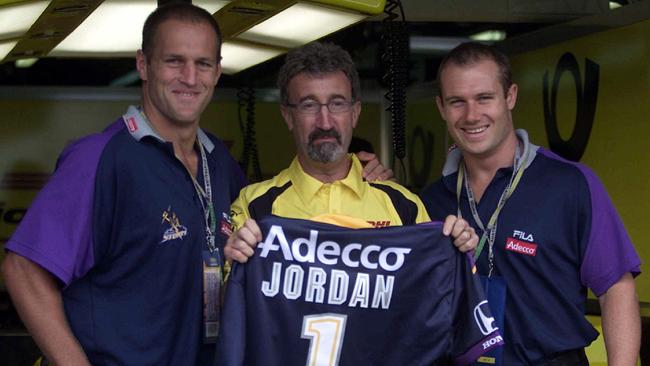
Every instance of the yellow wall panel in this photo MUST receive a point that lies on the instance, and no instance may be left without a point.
(617, 146)
(427, 142)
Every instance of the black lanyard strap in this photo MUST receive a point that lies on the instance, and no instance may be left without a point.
(489, 232)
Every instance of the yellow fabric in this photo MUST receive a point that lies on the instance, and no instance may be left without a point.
(342, 220)
(307, 197)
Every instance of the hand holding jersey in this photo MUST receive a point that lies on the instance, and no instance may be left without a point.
(325, 295)
(242, 243)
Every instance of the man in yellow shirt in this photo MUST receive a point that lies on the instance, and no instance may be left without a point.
(319, 91)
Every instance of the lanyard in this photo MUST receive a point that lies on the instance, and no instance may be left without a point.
(489, 232)
(205, 197)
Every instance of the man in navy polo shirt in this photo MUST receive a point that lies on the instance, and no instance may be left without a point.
(109, 264)
(548, 227)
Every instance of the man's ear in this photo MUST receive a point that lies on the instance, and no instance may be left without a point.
(356, 112)
(141, 64)
(217, 74)
(286, 115)
(441, 106)
(511, 96)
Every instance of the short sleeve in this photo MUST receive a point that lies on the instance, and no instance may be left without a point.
(56, 232)
(609, 251)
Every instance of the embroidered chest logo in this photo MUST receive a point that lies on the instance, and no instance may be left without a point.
(521, 242)
(175, 229)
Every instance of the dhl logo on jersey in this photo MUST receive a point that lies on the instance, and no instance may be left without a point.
(379, 223)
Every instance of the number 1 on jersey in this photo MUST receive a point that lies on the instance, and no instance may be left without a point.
(325, 332)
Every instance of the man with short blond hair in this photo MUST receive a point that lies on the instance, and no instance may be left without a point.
(549, 230)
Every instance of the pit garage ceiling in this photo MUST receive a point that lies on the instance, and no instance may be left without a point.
(427, 18)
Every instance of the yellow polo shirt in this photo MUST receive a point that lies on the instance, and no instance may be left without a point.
(295, 194)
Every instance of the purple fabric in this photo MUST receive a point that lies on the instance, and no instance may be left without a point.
(488, 343)
(610, 253)
(56, 232)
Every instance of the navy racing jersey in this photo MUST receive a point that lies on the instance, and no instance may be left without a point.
(320, 294)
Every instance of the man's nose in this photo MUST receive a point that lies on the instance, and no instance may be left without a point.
(473, 112)
(189, 73)
(324, 118)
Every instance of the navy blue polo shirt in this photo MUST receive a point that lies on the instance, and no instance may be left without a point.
(121, 226)
(557, 235)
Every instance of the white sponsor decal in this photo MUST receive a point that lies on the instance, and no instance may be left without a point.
(308, 250)
(484, 322)
(330, 285)
(521, 247)
(492, 341)
(523, 236)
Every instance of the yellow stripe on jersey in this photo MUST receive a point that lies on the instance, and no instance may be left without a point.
(295, 194)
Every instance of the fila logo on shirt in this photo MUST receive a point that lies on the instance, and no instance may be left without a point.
(522, 243)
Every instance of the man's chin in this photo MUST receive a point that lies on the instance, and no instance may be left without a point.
(326, 154)
(184, 119)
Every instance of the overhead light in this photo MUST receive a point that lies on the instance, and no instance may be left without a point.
(6, 47)
(99, 33)
(300, 24)
(614, 5)
(489, 36)
(442, 45)
(115, 28)
(434, 45)
(25, 62)
(238, 56)
(15, 20)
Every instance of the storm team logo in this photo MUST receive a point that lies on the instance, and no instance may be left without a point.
(175, 230)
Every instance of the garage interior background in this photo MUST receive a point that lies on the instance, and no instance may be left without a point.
(591, 55)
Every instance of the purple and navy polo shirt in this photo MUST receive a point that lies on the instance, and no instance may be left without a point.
(120, 225)
(557, 235)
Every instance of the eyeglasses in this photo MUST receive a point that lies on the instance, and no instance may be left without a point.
(313, 107)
